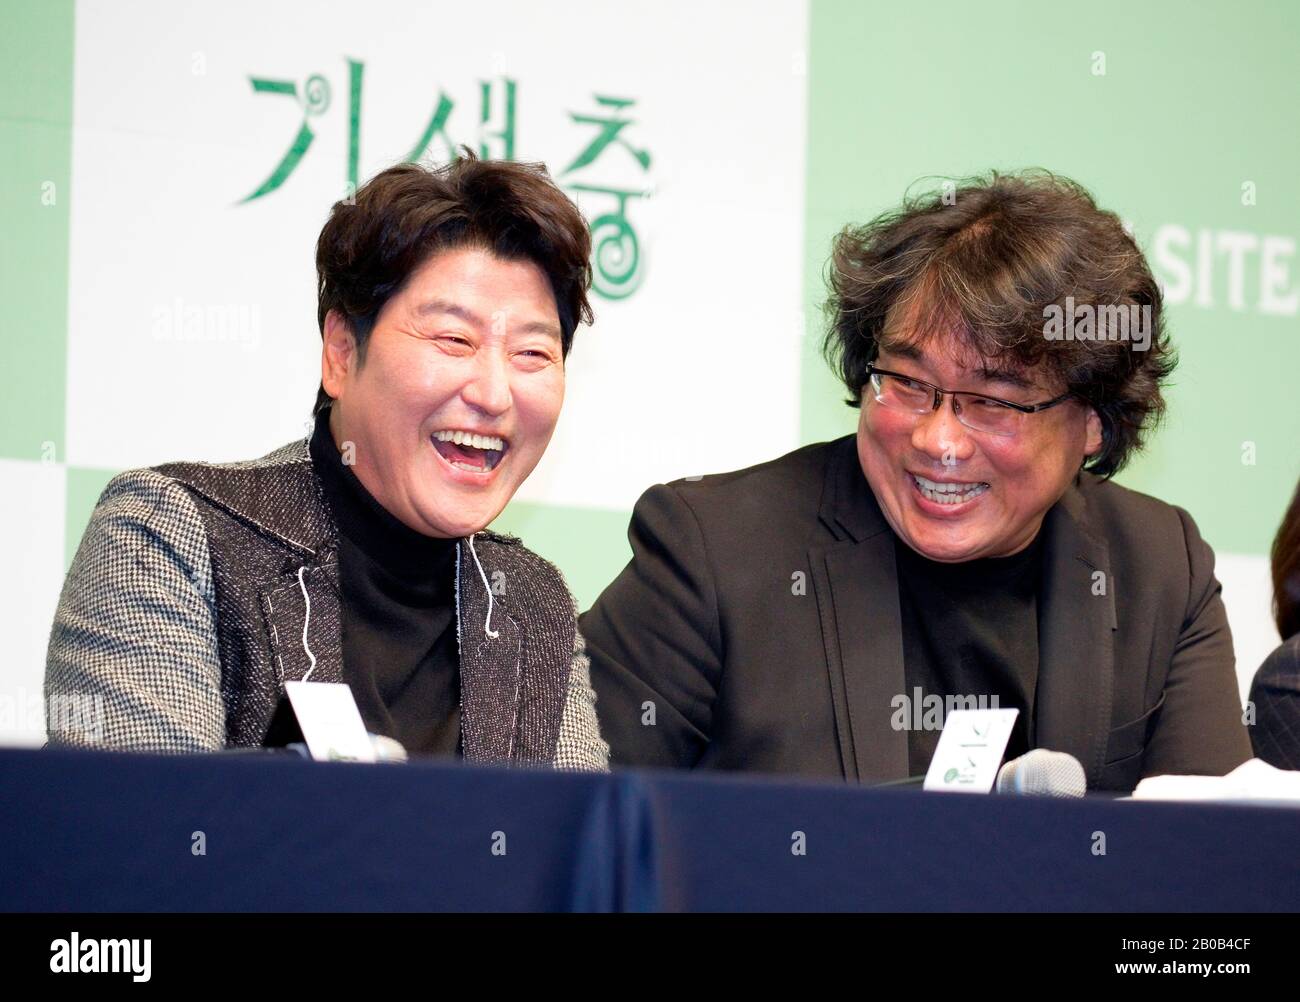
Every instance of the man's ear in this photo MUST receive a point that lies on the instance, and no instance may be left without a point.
(1092, 440)
(338, 354)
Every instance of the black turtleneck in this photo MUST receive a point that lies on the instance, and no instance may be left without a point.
(970, 629)
(399, 621)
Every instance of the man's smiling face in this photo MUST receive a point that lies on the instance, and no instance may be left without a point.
(458, 394)
(915, 463)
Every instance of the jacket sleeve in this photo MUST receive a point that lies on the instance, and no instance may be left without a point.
(580, 746)
(1199, 730)
(653, 637)
(133, 661)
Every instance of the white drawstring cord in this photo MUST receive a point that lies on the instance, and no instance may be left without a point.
(487, 623)
(305, 620)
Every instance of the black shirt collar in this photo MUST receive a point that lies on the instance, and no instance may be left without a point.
(366, 523)
(1019, 572)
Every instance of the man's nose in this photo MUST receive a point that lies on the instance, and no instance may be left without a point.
(488, 389)
(941, 436)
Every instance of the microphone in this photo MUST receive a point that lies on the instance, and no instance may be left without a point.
(1043, 773)
(387, 749)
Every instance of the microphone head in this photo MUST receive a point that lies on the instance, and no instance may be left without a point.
(1043, 773)
(387, 749)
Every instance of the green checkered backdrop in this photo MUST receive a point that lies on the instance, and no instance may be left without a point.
(167, 168)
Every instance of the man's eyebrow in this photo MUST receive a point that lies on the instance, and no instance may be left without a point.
(990, 372)
(450, 308)
(1011, 377)
(542, 327)
(904, 349)
(473, 319)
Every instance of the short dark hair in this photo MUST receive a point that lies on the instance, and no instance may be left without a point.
(983, 259)
(402, 216)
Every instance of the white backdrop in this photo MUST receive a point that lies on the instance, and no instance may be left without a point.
(192, 317)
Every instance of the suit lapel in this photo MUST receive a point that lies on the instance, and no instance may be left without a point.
(280, 497)
(856, 585)
(1076, 638)
(491, 666)
(867, 643)
(286, 611)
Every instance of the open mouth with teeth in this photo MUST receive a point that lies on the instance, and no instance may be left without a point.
(946, 493)
(467, 451)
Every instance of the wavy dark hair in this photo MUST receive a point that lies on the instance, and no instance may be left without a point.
(402, 216)
(983, 259)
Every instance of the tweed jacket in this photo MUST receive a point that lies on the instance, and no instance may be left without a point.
(199, 589)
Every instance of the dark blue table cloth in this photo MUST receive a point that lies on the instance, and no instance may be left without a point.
(89, 831)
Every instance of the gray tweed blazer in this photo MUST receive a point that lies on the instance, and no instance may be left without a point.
(183, 615)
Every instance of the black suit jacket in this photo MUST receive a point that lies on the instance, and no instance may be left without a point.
(1276, 695)
(757, 625)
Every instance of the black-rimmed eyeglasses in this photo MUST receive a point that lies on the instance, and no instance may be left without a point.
(976, 411)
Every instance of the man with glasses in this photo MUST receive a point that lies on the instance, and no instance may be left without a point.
(966, 547)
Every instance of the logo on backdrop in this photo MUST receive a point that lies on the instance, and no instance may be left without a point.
(601, 134)
(1247, 272)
